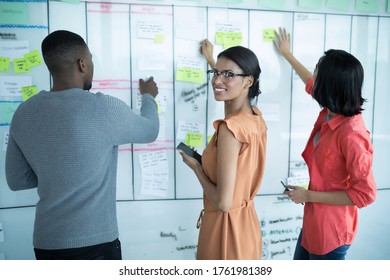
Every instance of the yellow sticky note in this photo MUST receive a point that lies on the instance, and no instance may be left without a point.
(233, 38)
(228, 39)
(268, 34)
(194, 139)
(33, 58)
(29, 91)
(190, 75)
(159, 38)
(219, 37)
(20, 66)
(4, 64)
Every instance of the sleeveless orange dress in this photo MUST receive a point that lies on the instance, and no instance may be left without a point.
(235, 235)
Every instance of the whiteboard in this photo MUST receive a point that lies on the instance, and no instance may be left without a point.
(155, 230)
(191, 93)
(111, 58)
(381, 127)
(129, 40)
(275, 99)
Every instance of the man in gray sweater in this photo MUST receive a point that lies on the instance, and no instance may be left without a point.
(64, 142)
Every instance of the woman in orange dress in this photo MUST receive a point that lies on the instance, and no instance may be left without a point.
(233, 162)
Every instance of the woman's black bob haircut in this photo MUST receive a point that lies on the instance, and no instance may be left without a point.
(248, 62)
(338, 84)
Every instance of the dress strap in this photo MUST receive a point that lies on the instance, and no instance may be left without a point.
(245, 204)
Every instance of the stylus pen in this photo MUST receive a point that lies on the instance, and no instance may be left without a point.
(287, 189)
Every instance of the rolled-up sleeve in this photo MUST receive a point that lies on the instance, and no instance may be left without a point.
(359, 156)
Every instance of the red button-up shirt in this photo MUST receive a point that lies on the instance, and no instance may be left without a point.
(341, 161)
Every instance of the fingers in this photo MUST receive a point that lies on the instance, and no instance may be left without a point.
(147, 80)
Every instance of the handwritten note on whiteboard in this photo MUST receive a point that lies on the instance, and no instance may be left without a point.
(155, 173)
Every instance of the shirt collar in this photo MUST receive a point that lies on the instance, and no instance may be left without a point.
(335, 121)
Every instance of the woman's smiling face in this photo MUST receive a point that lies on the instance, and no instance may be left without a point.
(228, 88)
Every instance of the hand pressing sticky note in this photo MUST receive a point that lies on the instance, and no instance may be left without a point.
(4, 64)
(194, 139)
(268, 34)
(33, 58)
(20, 66)
(29, 91)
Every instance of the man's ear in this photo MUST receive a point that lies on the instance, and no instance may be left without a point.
(81, 65)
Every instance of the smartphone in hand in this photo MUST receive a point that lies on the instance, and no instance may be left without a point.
(190, 152)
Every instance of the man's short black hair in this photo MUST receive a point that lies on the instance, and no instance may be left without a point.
(61, 49)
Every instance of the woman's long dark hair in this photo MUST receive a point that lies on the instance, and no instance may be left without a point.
(339, 81)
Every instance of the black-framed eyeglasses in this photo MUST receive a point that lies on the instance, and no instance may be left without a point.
(224, 74)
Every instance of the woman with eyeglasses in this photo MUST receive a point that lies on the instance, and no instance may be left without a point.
(233, 162)
(338, 154)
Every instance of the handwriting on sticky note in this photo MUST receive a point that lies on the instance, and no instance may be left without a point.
(268, 34)
(14, 13)
(33, 58)
(190, 75)
(29, 91)
(194, 139)
(228, 39)
(20, 66)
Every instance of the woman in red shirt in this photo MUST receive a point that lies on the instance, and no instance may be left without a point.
(338, 155)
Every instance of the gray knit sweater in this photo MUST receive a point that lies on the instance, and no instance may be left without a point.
(66, 144)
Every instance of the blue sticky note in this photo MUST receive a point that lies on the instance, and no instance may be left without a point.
(313, 4)
(274, 4)
(342, 5)
(13, 13)
(370, 6)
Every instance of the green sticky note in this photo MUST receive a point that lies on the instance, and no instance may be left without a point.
(275, 4)
(268, 34)
(20, 66)
(313, 4)
(209, 138)
(33, 59)
(7, 110)
(194, 139)
(342, 5)
(190, 75)
(13, 13)
(388, 6)
(367, 5)
(4, 64)
(29, 91)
